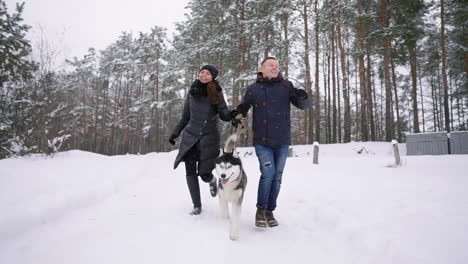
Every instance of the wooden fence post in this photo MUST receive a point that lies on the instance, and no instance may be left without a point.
(316, 152)
(396, 153)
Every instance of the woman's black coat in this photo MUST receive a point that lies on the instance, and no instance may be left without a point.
(200, 120)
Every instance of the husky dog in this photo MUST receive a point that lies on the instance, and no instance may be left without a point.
(232, 183)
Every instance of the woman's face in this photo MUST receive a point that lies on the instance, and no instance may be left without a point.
(205, 76)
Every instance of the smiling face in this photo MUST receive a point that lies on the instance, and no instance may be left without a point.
(205, 76)
(270, 68)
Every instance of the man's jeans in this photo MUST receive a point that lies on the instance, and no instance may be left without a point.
(272, 161)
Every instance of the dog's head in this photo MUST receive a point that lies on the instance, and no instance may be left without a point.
(228, 166)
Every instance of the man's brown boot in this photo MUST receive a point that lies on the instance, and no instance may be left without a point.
(270, 218)
(260, 219)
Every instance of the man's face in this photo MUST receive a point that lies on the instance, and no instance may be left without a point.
(270, 68)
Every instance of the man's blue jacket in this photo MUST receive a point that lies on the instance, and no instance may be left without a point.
(271, 101)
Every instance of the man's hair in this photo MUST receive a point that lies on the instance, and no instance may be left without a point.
(268, 58)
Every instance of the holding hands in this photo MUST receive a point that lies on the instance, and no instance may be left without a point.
(237, 119)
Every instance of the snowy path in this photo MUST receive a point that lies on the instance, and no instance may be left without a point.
(84, 208)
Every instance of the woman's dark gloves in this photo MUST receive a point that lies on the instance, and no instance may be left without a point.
(171, 139)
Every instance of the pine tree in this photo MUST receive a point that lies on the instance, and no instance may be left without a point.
(15, 71)
(409, 21)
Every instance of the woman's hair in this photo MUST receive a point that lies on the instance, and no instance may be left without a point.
(212, 90)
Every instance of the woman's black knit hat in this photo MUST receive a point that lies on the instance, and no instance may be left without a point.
(212, 69)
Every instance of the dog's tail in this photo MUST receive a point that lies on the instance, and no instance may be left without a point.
(230, 143)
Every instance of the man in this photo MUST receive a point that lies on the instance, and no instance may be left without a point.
(270, 97)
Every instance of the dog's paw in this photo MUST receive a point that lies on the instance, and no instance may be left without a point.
(233, 236)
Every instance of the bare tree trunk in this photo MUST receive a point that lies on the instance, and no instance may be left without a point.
(440, 100)
(126, 138)
(358, 109)
(329, 129)
(168, 114)
(381, 112)
(347, 107)
(83, 120)
(242, 48)
(326, 96)
(389, 129)
(435, 110)
(463, 105)
(317, 71)
(157, 109)
(370, 101)
(421, 94)
(414, 94)
(377, 115)
(348, 94)
(362, 84)
(459, 112)
(444, 67)
(338, 98)
(308, 77)
(397, 107)
(96, 116)
(105, 140)
(139, 133)
(284, 22)
(267, 39)
(465, 57)
(115, 119)
(451, 103)
(333, 76)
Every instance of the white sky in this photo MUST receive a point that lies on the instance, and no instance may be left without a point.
(75, 25)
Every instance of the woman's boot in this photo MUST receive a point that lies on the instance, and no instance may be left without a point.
(194, 189)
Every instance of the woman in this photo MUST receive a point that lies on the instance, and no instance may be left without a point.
(200, 141)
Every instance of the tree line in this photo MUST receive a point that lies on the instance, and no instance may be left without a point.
(374, 69)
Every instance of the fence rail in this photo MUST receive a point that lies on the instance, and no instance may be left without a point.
(439, 143)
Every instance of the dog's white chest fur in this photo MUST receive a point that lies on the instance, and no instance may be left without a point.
(229, 192)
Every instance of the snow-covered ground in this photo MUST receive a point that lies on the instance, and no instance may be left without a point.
(79, 207)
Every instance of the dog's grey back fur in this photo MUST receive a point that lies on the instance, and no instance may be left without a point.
(241, 186)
